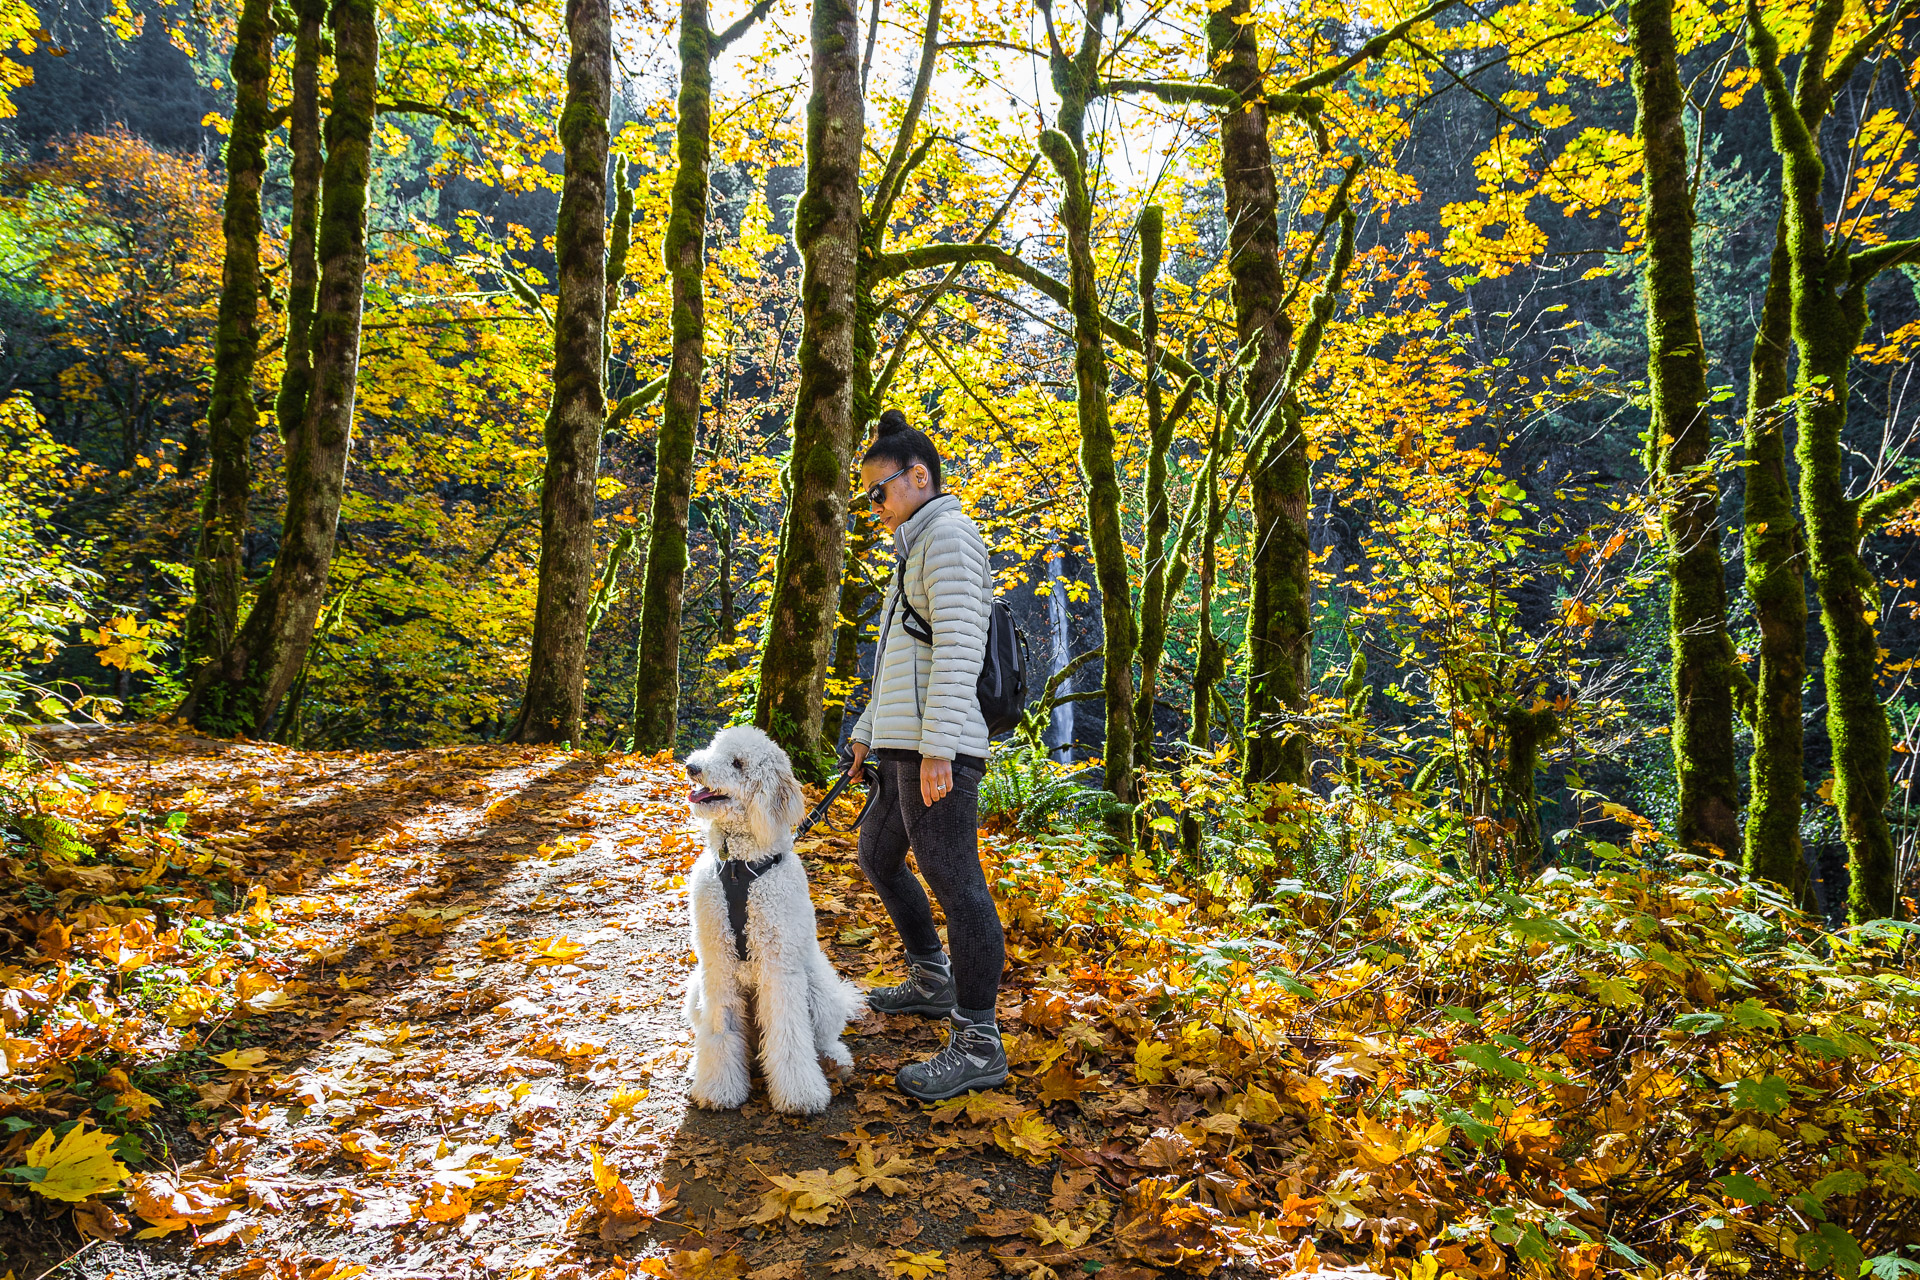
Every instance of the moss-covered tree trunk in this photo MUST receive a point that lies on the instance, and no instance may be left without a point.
(243, 690)
(1776, 582)
(232, 418)
(1829, 307)
(1279, 612)
(656, 696)
(1154, 597)
(554, 704)
(804, 607)
(303, 267)
(1679, 436)
(1075, 79)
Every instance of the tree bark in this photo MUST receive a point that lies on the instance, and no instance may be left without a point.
(232, 418)
(1776, 582)
(1154, 598)
(657, 659)
(1075, 80)
(1829, 306)
(1105, 535)
(806, 587)
(303, 268)
(243, 690)
(554, 705)
(1279, 613)
(1680, 434)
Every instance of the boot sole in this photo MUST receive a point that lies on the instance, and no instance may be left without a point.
(919, 1010)
(978, 1082)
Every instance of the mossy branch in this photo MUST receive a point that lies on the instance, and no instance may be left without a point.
(413, 106)
(1177, 92)
(902, 160)
(632, 404)
(718, 45)
(1868, 263)
(1850, 60)
(1883, 507)
(1007, 263)
(1368, 51)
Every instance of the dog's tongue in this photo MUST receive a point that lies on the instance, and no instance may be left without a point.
(700, 795)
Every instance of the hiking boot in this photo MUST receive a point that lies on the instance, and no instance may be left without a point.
(928, 991)
(973, 1059)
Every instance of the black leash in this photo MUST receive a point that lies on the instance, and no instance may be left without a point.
(864, 773)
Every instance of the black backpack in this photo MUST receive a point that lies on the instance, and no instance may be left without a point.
(1003, 671)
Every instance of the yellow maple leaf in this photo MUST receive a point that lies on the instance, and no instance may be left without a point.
(242, 1059)
(74, 1168)
(812, 1197)
(558, 950)
(1150, 1059)
(1062, 1232)
(625, 1101)
(884, 1177)
(916, 1266)
(1027, 1136)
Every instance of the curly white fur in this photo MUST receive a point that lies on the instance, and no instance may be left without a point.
(745, 795)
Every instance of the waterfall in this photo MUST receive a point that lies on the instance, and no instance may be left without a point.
(1059, 735)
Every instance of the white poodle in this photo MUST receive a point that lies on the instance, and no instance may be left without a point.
(753, 934)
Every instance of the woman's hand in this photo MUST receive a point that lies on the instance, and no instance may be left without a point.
(936, 780)
(859, 750)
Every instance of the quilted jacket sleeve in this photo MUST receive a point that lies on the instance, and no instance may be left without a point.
(955, 576)
(863, 727)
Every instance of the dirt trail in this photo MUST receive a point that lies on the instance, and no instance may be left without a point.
(493, 945)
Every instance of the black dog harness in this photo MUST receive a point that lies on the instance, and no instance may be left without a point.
(736, 877)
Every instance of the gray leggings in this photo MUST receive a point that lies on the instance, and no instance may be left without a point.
(945, 840)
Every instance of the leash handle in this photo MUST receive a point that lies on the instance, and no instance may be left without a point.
(826, 802)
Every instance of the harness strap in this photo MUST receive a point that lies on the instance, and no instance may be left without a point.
(736, 877)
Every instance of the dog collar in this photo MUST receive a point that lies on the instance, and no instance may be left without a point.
(736, 877)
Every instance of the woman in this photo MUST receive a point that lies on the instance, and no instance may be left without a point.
(924, 730)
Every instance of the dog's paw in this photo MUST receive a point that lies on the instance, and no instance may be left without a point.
(721, 1096)
(840, 1057)
(801, 1098)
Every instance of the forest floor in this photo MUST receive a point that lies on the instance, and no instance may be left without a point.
(457, 1051)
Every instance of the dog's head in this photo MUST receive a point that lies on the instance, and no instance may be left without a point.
(743, 782)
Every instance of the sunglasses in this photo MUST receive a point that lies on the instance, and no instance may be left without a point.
(877, 493)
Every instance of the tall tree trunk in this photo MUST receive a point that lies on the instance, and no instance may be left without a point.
(806, 584)
(1279, 614)
(1105, 536)
(303, 268)
(554, 704)
(1076, 80)
(1777, 583)
(657, 672)
(1154, 597)
(243, 690)
(662, 590)
(232, 418)
(1829, 302)
(1679, 436)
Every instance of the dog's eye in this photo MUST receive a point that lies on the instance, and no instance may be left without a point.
(740, 765)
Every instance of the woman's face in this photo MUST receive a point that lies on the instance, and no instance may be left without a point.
(895, 492)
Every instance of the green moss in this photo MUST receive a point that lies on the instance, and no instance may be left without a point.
(1679, 438)
(1829, 314)
(232, 419)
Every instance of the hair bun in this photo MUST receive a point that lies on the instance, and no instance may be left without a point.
(892, 423)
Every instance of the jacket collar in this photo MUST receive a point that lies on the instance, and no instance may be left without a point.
(910, 527)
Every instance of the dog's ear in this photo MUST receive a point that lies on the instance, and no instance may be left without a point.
(777, 804)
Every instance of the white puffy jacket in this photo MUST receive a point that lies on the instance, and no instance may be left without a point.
(926, 697)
